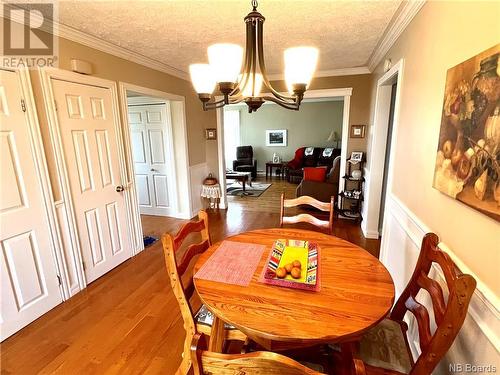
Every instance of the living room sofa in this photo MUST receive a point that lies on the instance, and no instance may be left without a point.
(322, 190)
(310, 157)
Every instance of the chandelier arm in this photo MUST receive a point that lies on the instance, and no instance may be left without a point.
(214, 105)
(262, 65)
(283, 103)
(249, 51)
(254, 57)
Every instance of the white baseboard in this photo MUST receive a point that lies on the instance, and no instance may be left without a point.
(372, 234)
(401, 240)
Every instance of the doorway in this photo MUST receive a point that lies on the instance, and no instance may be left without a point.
(156, 150)
(150, 126)
(381, 150)
(387, 156)
(342, 95)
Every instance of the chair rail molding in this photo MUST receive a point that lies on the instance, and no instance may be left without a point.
(403, 232)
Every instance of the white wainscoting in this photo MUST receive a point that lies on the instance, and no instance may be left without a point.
(478, 342)
(197, 173)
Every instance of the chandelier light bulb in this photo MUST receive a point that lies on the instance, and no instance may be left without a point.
(225, 60)
(300, 64)
(202, 78)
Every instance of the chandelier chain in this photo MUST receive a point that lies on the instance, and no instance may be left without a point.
(255, 4)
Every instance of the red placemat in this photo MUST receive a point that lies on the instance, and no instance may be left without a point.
(268, 279)
(232, 263)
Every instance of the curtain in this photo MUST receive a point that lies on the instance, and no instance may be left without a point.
(231, 135)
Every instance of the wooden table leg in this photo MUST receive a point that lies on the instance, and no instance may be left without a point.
(216, 336)
(347, 354)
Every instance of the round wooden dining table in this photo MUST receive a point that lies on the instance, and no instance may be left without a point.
(356, 293)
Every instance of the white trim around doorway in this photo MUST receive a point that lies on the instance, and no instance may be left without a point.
(310, 94)
(376, 161)
(178, 150)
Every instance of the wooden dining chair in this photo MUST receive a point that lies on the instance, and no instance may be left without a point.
(307, 218)
(386, 345)
(255, 363)
(183, 286)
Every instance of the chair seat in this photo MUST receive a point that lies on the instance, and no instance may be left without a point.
(206, 317)
(385, 346)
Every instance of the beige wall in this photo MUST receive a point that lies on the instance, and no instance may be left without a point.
(310, 126)
(120, 70)
(441, 36)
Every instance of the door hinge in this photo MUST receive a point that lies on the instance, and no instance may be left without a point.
(55, 105)
(23, 105)
(59, 279)
(84, 266)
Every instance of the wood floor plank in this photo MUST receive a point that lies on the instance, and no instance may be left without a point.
(128, 321)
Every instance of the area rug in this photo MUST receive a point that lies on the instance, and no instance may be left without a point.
(257, 188)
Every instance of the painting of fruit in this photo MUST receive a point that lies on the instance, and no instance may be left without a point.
(468, 156)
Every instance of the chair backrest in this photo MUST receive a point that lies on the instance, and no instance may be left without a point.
(244, 152)
(449, 316)
(268, 363)
(307, 218)
(183, 288)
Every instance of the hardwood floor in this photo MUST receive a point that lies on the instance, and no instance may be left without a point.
(127, 321)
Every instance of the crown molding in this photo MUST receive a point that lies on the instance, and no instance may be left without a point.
(67, 32)
(328, 73)
(404, 15)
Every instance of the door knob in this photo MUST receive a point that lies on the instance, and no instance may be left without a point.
(119, 188)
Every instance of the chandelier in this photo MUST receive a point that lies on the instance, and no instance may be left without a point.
(237, 85)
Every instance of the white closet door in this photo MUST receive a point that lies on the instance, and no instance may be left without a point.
(150, 148)
(29, 278)
(88, 127)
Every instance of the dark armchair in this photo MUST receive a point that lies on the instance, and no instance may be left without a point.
(244, 160)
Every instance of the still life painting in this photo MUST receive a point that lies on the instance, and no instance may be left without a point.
(468, 156)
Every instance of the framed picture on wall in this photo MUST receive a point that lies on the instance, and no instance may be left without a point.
(211, 134)
(356, 156)
(358, 131)
(276, 138)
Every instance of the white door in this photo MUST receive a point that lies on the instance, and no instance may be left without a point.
(29, 278)
(149, 126)
(88, 127)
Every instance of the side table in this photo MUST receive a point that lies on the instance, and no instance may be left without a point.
(212, 194)
(279, 167)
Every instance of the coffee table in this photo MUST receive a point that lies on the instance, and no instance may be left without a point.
(242, 177)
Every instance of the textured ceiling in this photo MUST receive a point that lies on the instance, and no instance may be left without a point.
(178, 32)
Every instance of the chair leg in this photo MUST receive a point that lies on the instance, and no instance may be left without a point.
(217, 336)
